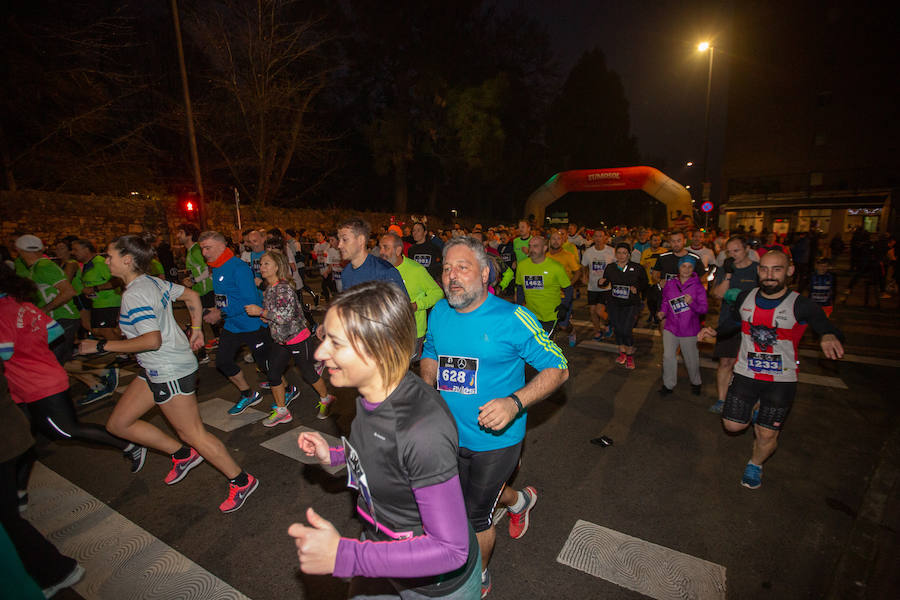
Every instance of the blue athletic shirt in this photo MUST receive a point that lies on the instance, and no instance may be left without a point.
(372, 269)
(234, 288)
(481, 355)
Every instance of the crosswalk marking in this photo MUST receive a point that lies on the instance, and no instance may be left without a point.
(286, 444)
(641, 566)
(122, 561)
(215, 413)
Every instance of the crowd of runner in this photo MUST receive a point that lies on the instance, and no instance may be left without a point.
(433, 328)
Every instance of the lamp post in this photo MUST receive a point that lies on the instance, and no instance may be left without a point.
(703, 47)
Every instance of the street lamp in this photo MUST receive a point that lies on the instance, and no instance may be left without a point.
(703, 47)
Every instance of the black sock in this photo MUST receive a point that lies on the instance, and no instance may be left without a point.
(241, 480)
(246, 393)
(182, 453)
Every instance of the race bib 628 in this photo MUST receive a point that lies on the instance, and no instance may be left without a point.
(457, 374)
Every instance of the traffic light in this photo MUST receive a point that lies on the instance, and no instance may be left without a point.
(189, 207)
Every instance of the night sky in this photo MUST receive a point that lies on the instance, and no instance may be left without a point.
(652, 46)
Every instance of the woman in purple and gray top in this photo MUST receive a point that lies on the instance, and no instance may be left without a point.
(683, 303)
(401, 457)
(288, 328)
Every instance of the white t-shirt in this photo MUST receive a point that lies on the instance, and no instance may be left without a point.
(706, 255)
(147, 306)
(596, 261)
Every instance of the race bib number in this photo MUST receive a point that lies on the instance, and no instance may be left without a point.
(534, 282)
(671, 276)
(356, 478)
(598, 266)
(458, 374)
(621, 291)
(507, 258)
(764, 363)
(679, 305)
(336, 275)
(423, 259)
(221, 301)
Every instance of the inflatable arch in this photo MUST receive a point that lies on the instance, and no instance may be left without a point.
(660, 186)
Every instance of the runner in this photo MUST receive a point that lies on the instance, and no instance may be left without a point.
(476, 347)
(234, 286)
(822, 286)
(198, 279)
(363, 266)
(335, 267)
(520, 244)
(170, 371)
(653, 292)
(320, 253)
(738, 274)
(771, 319)
(697, 247)
(594, 260)
(255, 246)
(627, 281)
(290, 332)
(683, 303)
(101, 288)
(425, 252)
(543, 287)
(666, 266)
(401, 456)
(422, 290)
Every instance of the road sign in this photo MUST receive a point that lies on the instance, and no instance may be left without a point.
(706, 206)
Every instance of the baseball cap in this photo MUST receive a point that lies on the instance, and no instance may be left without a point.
(29, 243)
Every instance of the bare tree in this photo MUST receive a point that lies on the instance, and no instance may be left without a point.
(265, 72)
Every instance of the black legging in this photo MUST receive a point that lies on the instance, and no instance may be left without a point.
(622, 320)
(55, 417)
(280, 356)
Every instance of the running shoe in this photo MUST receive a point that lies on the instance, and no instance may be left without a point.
(277, 418)
(290, 394)
(104, 389)
(717, 407)
(246, 401)
(237, 495)
(203, 360)
(181, 466)
(212, 344)
(137, 456)
(610, 334)
(665, 391)
(620, 359)
(323, 407)
(629, 362)
(695, 389)
(518, 521)
(111, 379)
(265, 385)
(68, 581)
(752, 476)
(485, 583)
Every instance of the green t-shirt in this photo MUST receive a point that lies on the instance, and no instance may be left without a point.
(543, 284)
(76, 279)
(199, 270)
(422, 290)
(521, 247)
(156, 268)
(46, 274)
(94, 273)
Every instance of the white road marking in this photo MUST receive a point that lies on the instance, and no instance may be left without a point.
(854, 358)
(215, 413)
(122, 561)
(641, 566)
(286, 444)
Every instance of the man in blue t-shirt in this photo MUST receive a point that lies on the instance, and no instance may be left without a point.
(476, 347)
(352, 238)
(234, 289)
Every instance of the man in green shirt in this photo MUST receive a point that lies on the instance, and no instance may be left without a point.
(101, 288)
(520, 244)
(423, 291)
(543, 286)
(198, 278)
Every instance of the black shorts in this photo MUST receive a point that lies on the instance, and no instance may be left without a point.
(482, 476)
(208, 300)
(105, 317)
(727, 347)
(164, 391)
(597, 297)
(257, 341)
(775, 401)
(281, 355)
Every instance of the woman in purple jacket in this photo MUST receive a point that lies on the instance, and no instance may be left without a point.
(683, 303)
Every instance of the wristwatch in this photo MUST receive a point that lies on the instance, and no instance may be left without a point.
(101, 345)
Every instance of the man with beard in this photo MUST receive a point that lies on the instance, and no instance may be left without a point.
(772, 320)
(476, 347)
(540, 283)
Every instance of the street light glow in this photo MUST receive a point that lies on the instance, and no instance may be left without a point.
(689, 163)
(703, 46)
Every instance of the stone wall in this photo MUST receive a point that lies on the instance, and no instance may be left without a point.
(50, 216)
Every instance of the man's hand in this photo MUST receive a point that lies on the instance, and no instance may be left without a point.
(317, 544)
(498, 413)
(831, 346)
(706, 332)
(196, 339)
(187, 282)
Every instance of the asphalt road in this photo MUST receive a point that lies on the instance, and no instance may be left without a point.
(670, 483)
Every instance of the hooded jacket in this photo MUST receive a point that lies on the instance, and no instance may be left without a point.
(682, 319)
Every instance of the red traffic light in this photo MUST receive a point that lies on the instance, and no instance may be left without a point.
(189, 207)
